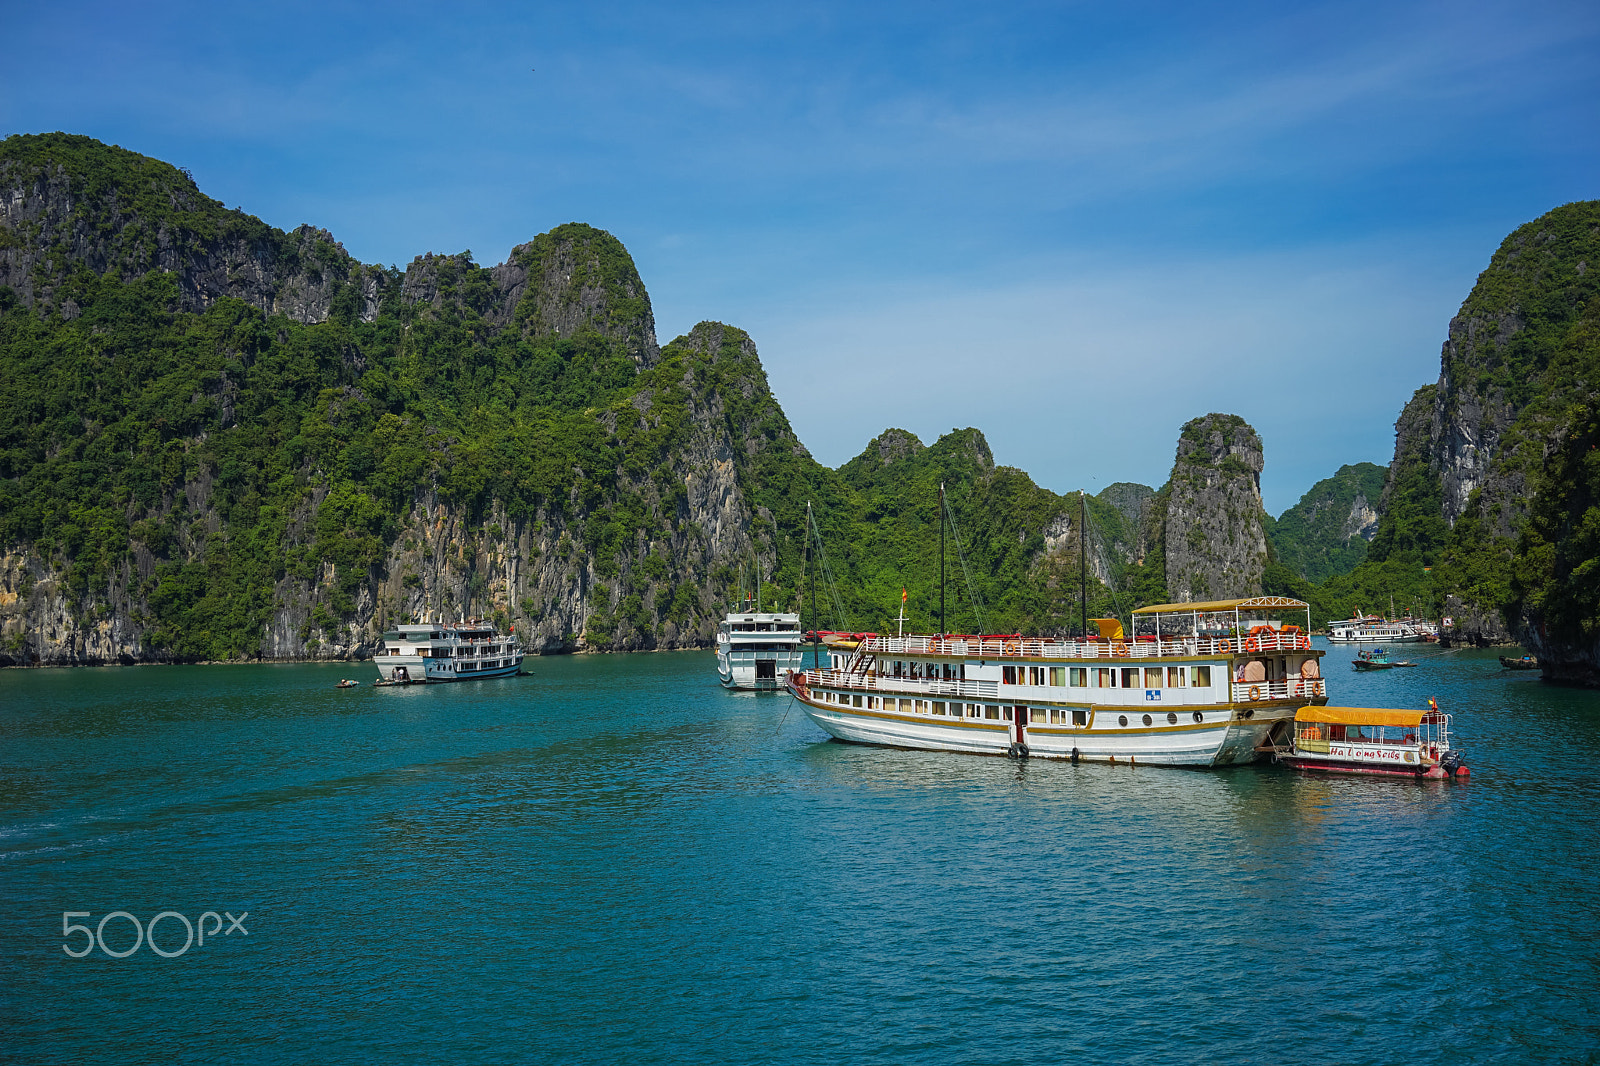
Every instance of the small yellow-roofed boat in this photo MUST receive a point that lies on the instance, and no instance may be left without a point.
(1374, 740)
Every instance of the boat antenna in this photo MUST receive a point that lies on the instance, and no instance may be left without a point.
(942, 628)
(1083, 562)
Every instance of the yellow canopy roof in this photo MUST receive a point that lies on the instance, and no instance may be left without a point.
(1250, 604)
(1358, 716)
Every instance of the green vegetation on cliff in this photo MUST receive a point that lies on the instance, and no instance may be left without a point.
(1321, 536)
(1488, 486)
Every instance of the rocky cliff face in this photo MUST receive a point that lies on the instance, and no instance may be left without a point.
(1216, 544)
(643, 476)
(146, 217)
(1474, 452)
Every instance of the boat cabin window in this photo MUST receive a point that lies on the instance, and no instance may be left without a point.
(1130, 677)
(1036, 675)
(1199, 677)
(991, 711)
(1152, 677)
(1079, 676)
(1175, 676)
(1008, 675)
(1080, 717)
(1058, 676)
(1104, 677)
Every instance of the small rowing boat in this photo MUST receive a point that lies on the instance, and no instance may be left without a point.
(1526, 662)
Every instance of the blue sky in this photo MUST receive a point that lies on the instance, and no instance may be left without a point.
(1074, 226)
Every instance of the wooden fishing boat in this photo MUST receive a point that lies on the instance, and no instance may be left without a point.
(1374, 659)
(1526, 662)
(1366, 740)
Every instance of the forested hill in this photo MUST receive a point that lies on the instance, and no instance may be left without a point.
(1495, 482)
(219, 440)
(1326, 533)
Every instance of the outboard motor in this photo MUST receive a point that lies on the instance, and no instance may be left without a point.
(1451, 763)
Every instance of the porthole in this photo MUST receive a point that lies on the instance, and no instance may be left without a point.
(1198, 717)
(1172, 718)
(1122, 719)
(1147, 720)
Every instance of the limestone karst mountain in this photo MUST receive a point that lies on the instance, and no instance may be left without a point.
(1213, 524)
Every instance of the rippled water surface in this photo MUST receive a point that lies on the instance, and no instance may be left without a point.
(614, 860)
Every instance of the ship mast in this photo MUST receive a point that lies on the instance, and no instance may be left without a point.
(811, 579)
(1083, 560)
(942, 628)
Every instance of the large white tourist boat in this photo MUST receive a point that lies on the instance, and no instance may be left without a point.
(1366, 740)
(1370, 629)
(1196, 684)
(438, 651)
(755, 649)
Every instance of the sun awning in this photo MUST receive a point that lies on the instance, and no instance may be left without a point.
(1253, 603)
(1358, 716)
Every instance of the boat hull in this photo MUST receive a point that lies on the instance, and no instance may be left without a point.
(417, 671)
(1227, 736)
(1350, 766)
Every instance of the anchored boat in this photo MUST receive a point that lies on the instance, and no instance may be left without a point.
(1364, 740)
(756, 648)
(1197, 684)
(432, 652)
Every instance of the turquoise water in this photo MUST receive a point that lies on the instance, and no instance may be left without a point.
(614, 860)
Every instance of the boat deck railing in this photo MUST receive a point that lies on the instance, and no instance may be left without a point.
(1293, 688)
(1141, 648)
(902, 686)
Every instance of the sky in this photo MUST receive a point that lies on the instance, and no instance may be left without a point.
(1074, 226)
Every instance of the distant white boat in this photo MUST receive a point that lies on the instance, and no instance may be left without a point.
(1370, 629)
(437, 651)
(755, 649)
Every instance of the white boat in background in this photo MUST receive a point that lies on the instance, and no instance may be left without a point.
(438, 651)
(1177, 695)
(1370, 629)
(755, 649)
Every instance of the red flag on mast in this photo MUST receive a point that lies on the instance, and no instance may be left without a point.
(902, 594)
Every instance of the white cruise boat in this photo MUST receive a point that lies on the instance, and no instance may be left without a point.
(1370, 629)
(439, 651)
(1174, 693)
(755, 649)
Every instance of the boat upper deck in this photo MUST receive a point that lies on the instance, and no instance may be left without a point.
(1144, 647)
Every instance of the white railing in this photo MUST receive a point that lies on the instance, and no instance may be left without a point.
(902, 686)
(1293, 688)
(1143, 648)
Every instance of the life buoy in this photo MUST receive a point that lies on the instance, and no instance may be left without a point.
(1119, 648)
(1226, 647)
(1011, 648)
(1252, 644)
(1255, 693)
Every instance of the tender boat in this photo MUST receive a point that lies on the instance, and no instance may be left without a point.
(438, 651)
(1364, 740)
(1174, 693)
(755, 649)
(1526, 662)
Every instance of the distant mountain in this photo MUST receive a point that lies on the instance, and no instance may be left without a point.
(1326, 533)
(222, 441)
